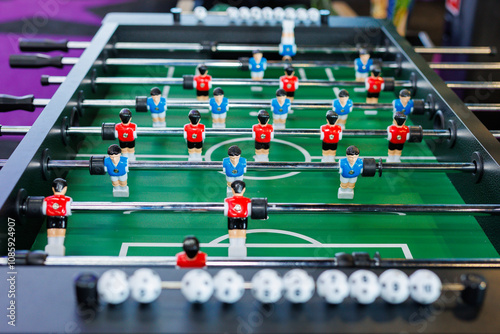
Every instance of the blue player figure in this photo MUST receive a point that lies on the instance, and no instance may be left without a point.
(257, 65)
(404, 104)
(218, 105)
(342, 106)
(280, 107)
(117, 167)
(349, 169)
(157, 105)
(362, 65)
(287, 47)
(234, 167)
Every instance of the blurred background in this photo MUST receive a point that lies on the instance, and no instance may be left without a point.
(424, 22)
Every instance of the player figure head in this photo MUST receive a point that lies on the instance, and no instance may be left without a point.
(281, 95)
(257, 55)
(155, 94)
(404, 96)
(263, 117)
(289, 71)
(343, 96)
(238, 188)
(352, 153)
(202, 69)
(59, 186)
(194, 117)
(331, 117)
(399, 119)
(364, 55)
(375, 71)
(191, 246)
(114, 152)
(218, 95)
(125, 116)
(234, 153)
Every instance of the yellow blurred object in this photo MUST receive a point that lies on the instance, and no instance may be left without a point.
(397, 10)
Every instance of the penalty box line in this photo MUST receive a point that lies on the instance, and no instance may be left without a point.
(404, 247)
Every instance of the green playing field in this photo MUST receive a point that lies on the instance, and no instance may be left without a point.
(288, 235)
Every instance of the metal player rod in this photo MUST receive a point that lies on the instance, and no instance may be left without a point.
(467, 167)
(28, 102)
(64, 45)
(148, 131)
(40, 60)
(262, 262)
(47, 80)
(471, 209)
(447, 167)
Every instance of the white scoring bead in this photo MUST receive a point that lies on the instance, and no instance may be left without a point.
(332, 285)
(394, 286)
(267, 14)
(245, 13)
(197, 286)
(256, 13)
(290, 14)
(229, 286)
(299, 286)
(145, 285)
(279, 14)
(302, 14)
(364, 286)
(425, 286)
(113, 287)
(233, 13)
(200, 13)
(313, 14)
(267, 286)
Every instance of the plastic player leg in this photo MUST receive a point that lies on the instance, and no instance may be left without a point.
(345, 193)
(131, 157)
(371, 112)
(192, 157)
(162, 124)
(55, 249)
(256, 89)
(120, 191)
(237, 248)
(229, 191)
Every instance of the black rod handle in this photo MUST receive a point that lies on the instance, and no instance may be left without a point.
(35, 61)
(10, 102)
(34, 44)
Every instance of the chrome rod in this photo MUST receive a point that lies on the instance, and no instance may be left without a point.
(291, 207)
(272, 166)
(273, 48)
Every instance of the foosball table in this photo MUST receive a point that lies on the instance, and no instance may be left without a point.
(432, 217)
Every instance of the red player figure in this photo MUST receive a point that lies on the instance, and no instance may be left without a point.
(202, 83)
(397, 134)
(289, 82)
(194, 133)
(374, 85)
(126, 132)
(237, 209)
(331, 133)
(192, 257)
(57, 208)
(263, 133)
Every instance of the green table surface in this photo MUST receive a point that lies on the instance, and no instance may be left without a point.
(287, 235)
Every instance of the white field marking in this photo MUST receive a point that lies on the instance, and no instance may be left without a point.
(312, 243)
(307, 156)
(170, 74)
(330, 76)
(266, 230)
